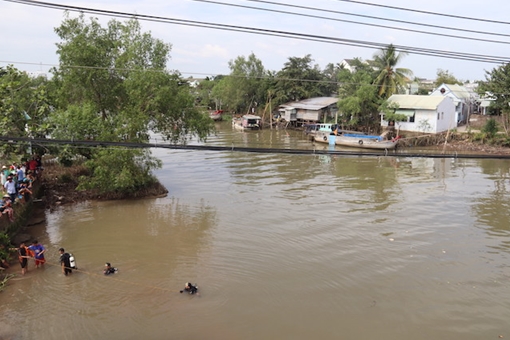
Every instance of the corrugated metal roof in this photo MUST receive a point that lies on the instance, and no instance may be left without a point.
(458, 91)
(406, 101)
(316, 103)
(486, 103)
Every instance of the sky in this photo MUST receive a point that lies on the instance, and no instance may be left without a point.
(28, 40)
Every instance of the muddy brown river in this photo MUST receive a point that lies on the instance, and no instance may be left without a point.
(281, 247)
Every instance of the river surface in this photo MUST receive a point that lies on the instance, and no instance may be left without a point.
(281, 247)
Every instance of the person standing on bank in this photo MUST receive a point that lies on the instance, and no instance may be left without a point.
(38, 250)
(65, 262)
(10, 189)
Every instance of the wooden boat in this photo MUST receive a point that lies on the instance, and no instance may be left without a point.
(216, 115)
(247, 122)
(358, 140)
(311, 129)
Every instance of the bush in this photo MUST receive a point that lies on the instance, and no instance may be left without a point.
(490, 128)
(66, 178)
(5, 244)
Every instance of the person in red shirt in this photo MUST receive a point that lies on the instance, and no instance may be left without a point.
(32, 165)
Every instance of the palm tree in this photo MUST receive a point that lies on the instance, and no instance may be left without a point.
(390, 79)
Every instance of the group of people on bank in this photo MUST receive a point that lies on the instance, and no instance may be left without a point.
(17, 181)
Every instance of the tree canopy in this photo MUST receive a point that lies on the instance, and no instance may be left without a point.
(246, 85)
(111, 85)
(24, 104)
(497, 86)
(299, 79)
(391, 79)
(445, 77)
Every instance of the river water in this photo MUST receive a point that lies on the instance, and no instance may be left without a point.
(281, 247)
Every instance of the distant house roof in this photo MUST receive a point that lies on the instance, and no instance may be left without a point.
(406, 101)
(316, 103)
(459, 91)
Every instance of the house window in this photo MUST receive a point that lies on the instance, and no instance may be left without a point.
(438, 116)
(442, 115)
(411, 119)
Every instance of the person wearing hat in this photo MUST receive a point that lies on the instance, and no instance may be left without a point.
(6, 171)
(10, 188)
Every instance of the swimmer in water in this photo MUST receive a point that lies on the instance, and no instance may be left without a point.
(190, 288)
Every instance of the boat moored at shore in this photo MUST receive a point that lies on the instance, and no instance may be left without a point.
(357, 140)
(247, 122)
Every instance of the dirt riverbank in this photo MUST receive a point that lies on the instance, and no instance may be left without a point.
(59, 185)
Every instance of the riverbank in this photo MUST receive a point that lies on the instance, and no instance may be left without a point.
(59, 185)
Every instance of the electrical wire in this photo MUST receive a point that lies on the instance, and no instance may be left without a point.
(426, 12)
(357, 22)
(378, 18)
(267, 32)
(95, 144)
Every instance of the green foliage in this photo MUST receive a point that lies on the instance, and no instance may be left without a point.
(300, 79)
(204, 94)
(112, 85)
(390, 80)
(5, 244)
(490, 128)
(5, 279)
(359, 101)
(119, 171)
(505, 141)
(389, 110)
(25, 105)
(445, 77)
(245, 87)
(497, 86)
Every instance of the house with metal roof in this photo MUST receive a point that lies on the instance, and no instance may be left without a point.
(431, 114)
(462, 98)
(311, 110)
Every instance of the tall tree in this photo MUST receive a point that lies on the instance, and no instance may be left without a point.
(300, 79)
(390, 79)
(330, 74)
(25, 105)
(112, 85)
(358, 99)
(245, 87)
(445, 77)
(497, 86)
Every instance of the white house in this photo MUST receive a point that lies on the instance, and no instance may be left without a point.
(348, 64)
(462, 98)
(431, 114)
(309, 110)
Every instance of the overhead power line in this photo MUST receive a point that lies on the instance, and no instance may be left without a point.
(283, 34)
(427, 12)
(93, 144)
(308, 8)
